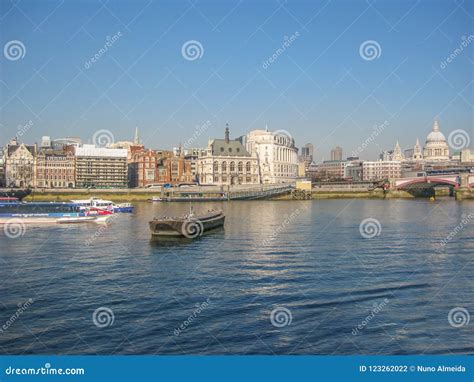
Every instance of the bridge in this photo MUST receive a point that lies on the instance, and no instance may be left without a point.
(453, 180)
(261, 192)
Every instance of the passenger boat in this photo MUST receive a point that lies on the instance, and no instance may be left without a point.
(190, 225)
(14, 193)
(9, 200)
(50, 213)
(107, 205)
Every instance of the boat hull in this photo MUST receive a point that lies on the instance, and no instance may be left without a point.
(187, 228)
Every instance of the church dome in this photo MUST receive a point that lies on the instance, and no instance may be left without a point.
(435, 135)
(436, 148)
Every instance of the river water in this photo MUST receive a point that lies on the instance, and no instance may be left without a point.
(282, 277)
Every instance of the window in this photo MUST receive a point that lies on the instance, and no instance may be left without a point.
(216, 166)
(232, 166)
(247, 167)
(230, 149)
(224, 166)
(240, 167)
(222, 149)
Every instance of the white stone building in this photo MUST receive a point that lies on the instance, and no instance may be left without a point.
(379, 170)
(436, 148)
(276, 153)
(227, 162)
(101, 167)
(19, 164)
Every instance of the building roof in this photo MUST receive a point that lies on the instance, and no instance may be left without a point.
(435, 135)
(13, 148)
(92, 151)
(221, 147)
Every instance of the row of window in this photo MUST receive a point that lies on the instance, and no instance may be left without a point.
(240, 166)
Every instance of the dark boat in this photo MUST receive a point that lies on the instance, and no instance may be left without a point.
(189, 225)
(14, 193)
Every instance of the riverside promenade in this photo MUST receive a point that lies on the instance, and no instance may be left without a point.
(295, 191)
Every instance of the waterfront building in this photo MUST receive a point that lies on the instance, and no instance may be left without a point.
(19, 164)
(379, 170)
(466, 157)
(227, 162)
(417, 151)
(353, 171)
(175, 169)
(142, 167)
(336, 154)
(332, 169)
(276, 153)
(436, 148)
(101, 167)
(59, 143)
(397, 153)
(2, 168)
(307, 153)
(55, 169)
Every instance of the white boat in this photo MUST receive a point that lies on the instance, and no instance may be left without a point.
(49, 213)
(104, 204)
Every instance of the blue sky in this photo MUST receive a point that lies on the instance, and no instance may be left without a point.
(319, 88)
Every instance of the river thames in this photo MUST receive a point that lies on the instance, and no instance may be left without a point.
(283, 277)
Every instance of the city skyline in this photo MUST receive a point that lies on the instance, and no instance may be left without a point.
(309, 69)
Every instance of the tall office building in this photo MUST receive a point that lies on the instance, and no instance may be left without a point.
(336, 153)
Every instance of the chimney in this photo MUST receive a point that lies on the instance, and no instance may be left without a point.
(226, 133)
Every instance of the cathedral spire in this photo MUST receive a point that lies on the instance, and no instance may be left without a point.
(136, 141)
(435, 126)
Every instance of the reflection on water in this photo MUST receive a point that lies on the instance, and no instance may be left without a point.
(307, 257)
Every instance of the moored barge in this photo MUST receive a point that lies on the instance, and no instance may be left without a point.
(189, 226)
